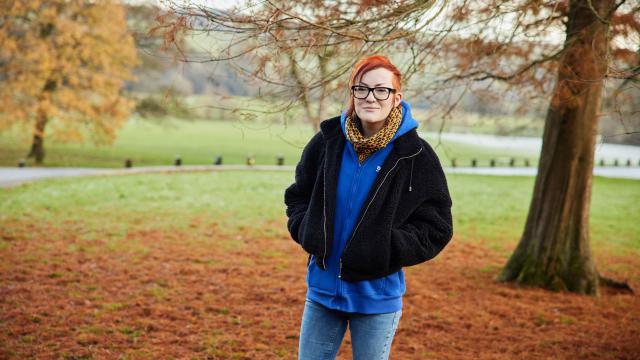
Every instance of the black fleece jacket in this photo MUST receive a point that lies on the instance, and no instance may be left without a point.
(406, 219)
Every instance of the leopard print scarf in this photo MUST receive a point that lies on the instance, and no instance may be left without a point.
(365, 147)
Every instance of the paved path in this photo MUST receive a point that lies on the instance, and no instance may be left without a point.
(531, 145)
(13, 176)
(611, 172)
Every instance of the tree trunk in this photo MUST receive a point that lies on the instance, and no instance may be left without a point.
(554, 251)
(44, 101)
(37, 147)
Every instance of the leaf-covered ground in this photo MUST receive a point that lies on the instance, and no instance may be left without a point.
(198, 293)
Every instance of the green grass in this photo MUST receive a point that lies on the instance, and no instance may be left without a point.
(159, 141)
(495, 208)
(485, 208)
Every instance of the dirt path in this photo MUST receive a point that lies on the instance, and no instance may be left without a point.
(197, 294)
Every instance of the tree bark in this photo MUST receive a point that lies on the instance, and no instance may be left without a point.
(37, 146)
(554, 251)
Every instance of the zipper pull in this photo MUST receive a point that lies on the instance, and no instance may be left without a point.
(340, 274)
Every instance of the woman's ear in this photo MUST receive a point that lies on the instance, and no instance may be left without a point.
(397, 98)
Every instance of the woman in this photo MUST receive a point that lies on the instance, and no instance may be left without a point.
(369, 198)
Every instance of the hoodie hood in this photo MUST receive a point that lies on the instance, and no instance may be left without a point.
(407, 123)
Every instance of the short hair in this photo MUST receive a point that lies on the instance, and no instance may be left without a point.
(367, 64)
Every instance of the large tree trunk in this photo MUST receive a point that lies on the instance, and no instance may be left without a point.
(554, 251)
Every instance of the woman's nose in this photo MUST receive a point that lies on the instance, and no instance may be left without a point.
(370, 97)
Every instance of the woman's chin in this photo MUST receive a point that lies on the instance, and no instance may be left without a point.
(370, 118)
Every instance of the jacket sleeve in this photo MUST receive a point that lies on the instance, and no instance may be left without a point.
(429, 227)
(298, 194)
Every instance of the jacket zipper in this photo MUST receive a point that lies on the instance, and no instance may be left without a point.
(370, 202)
(324, 208)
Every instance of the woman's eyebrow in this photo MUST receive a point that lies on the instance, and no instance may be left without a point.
(365, 84)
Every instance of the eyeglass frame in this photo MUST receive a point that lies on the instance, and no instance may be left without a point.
(370, 90)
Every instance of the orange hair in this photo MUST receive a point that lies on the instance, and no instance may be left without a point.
(367, 64)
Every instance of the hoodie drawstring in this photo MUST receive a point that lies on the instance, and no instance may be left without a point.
(411, 177)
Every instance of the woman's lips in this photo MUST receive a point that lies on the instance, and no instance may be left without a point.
(370, 109)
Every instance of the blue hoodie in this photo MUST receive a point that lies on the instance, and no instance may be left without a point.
(376, 296)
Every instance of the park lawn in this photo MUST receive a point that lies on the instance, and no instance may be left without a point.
(196, 265)
(198, 142)
(239, 200)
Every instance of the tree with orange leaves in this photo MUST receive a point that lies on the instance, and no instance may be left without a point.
(62, 67)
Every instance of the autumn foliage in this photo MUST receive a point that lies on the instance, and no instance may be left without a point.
(62, 67)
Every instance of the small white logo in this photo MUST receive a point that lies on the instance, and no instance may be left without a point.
(378, 168)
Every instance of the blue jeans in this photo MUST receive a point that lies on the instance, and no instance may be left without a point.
(322, 331)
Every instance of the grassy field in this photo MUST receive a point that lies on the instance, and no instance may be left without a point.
(197, 142)
(200, 265)
(239, 200)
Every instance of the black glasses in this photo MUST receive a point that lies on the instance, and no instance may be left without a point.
(380, 93)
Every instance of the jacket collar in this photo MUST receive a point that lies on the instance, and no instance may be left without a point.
(405, 144)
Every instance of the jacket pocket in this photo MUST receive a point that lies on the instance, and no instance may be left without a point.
(311, 234)
(307, 241)
(293, 225)
(301, 227)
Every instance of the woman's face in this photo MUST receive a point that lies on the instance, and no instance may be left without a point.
(370, 109)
